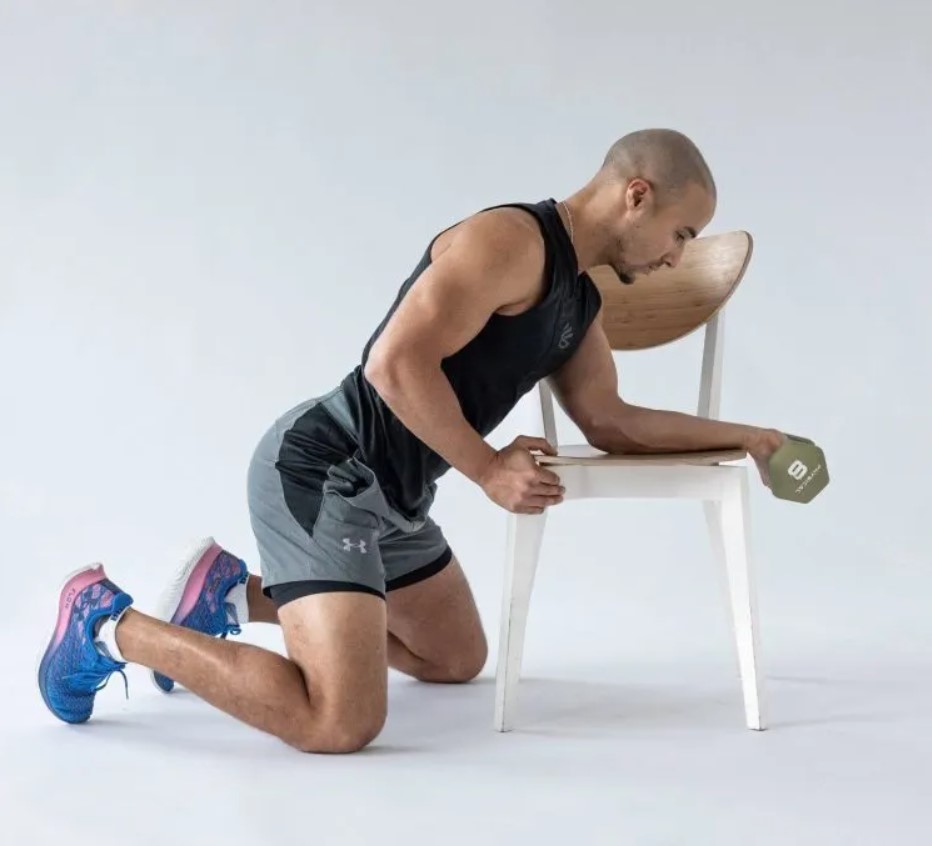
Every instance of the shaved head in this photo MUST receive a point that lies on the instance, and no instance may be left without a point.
(653, 194)
(665, 158)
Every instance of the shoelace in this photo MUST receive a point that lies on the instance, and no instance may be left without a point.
(89, 681)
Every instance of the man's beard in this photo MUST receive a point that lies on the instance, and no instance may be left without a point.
(625, 274)
(621, 269)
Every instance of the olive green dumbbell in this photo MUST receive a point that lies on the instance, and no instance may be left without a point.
(798, 471)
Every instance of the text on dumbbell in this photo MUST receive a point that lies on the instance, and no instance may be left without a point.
(797, 470)
(805, 484)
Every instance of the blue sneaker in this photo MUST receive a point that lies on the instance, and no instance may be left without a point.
(207, 594)
(73, 668)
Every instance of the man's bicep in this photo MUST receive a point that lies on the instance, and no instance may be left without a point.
(587, 385)
(483, 270)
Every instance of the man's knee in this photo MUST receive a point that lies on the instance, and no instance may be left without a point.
(465, 664)
(341, 730)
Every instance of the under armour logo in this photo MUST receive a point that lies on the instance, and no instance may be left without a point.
(565, 337)
(350, 545)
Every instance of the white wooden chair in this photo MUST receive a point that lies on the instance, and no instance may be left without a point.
(671, 304)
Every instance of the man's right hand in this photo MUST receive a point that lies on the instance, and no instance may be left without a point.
(515, 480)
(761, 444)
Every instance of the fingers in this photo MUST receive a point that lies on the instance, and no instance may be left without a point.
(527, 442)
(536, 503)
(543, 501)
(764, 470)
(548, 485)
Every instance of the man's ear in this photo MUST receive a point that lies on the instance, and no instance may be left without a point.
(639, 194)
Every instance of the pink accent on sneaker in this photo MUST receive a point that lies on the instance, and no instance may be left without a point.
(80, 581)
(195, 583)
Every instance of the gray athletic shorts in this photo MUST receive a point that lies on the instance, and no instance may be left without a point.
(321, 520)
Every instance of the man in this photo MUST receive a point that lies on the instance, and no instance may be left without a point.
(354, 570)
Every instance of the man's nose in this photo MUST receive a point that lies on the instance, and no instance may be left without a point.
(672, 259)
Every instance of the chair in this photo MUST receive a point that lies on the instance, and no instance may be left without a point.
(671, 305)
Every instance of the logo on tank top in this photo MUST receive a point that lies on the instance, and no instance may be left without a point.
(566, 336)
(349, 545)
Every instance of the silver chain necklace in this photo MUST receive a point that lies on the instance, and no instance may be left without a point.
(569, 218)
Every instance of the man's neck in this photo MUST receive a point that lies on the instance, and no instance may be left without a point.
(587, 240)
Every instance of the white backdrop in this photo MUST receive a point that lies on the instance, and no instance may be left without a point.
(205, 209)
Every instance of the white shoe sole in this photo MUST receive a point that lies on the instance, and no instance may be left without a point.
(171, 596)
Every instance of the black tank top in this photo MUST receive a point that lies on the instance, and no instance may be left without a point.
(508, 357)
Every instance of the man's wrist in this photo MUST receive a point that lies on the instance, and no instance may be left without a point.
(749, 435)
(756, 436)
(478, 467)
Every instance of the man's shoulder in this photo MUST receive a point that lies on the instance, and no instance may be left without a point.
(503, 230)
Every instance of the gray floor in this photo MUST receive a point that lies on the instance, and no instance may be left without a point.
(637, 744)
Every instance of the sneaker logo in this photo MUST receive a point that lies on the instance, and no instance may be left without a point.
(566, 336)
(69, 599)
(349, 545)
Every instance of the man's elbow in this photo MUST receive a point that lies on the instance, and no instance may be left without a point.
(390, 371)
(611, 430)
(597, 431)
(381, 371)
(601, 436)
(375, 369)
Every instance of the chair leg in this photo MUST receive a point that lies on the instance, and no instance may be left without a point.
(713, 519)
(730, 524)
(525, 533)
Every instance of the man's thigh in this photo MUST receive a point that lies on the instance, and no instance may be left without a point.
(438, 621)
(337, 639)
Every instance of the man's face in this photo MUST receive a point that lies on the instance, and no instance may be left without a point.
(651, 236)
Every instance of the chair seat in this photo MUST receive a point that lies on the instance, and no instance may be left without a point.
(586, 454)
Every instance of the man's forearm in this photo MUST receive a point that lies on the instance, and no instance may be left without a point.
(633, 429)
(421, 397)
